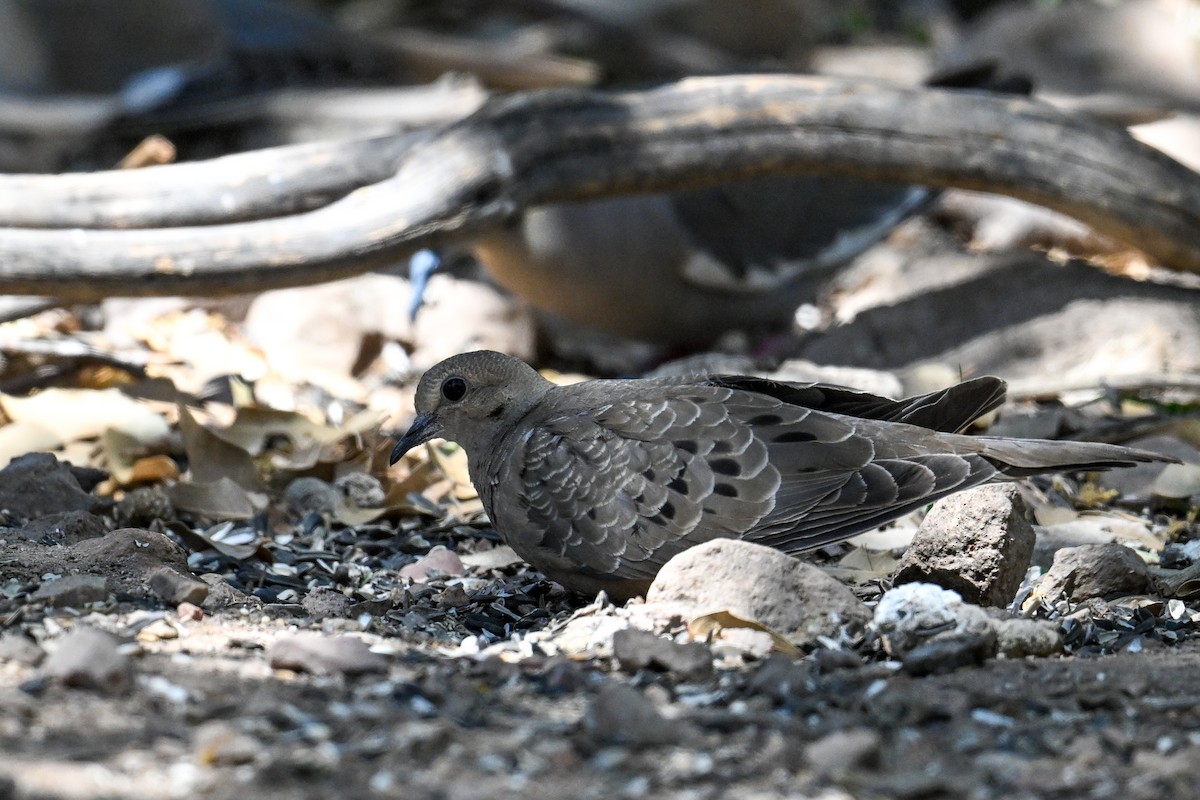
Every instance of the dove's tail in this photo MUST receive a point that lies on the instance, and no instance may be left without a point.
(1020, 458)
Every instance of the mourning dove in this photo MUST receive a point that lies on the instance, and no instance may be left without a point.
(684, 268)
(598, 484)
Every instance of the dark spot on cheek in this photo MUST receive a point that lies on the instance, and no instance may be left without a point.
(498, 411)
(725, 490)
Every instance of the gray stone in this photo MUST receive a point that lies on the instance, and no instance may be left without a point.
(37, 484)
(308, 495)
(89, 659)
(840, 752)
(324, 603)
(621, 715)
(757, 583)
(221, 594)
(909, 616)
(1018, 638)
(947, 653)
(174, 588)
(978, 543)
(636, 650)
(1095, 570)
(322, 655)
(72, 591)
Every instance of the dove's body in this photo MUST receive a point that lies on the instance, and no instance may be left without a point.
(598, 484)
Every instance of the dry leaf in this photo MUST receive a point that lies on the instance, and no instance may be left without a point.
(710, 625)
(211, 458)
(85, 414)
(220, 499)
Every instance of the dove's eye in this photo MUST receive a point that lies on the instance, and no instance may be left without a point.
(453, 389)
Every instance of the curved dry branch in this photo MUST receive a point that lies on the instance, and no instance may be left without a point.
(552, 146)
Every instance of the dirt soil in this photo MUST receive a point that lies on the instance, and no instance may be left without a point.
(202, 713)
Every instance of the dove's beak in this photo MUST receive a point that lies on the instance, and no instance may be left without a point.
(424, 428)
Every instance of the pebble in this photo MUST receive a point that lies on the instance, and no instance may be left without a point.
(438, 562)
(637, 650)
(841, 752)
(72, 591)
(174, 588)
(89, 659)
(188, 612)
(322, 655)
(1095, 570)
(325, 603)
(621, 715)
(219, 743)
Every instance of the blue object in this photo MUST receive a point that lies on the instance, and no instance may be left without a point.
(420, 267)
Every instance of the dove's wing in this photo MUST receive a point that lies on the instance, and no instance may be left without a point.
(949, 410)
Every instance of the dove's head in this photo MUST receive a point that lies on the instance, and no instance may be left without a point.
(472, 399)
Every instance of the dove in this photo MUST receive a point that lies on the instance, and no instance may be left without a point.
(598, 484)
(685, 268)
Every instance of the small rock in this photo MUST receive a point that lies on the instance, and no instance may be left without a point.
(308, 495)
(20, 650)
(621, 715)
(908, 616)
(221, 594)
(978, 543)
(636, 650)
(189, 613)
(1095, 570)
(780, 678)
(89, 659)
(948, 652)
(452, 597)
(325, 603)
(841, 752)
(174, 588)
(37, 484)
(143, 506)
(72, 591)
(1018, 638)
(424, 740)
(757, 583)
(361, 489)
(158, 631)
(220, 744)
(1073, 533)
(833, 660)
(322, 655)
(438, 562)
